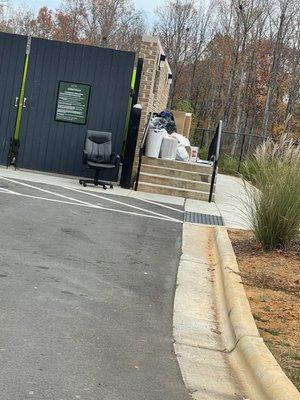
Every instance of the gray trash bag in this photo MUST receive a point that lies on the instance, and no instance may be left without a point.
(157, 123)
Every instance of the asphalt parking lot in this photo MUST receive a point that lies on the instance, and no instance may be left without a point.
(87, 282)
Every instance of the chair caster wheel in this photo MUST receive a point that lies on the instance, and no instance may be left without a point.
(84, 184)
(111, 186)
(80, 182)
(104, 187)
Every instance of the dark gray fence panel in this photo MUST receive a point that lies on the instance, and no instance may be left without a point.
(12, 55)
(54, 146)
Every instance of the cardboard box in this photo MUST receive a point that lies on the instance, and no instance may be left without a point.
(183, 122)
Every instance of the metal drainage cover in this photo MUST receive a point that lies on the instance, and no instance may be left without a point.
(206, 219)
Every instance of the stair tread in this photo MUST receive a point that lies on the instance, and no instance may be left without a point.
(158, 167)
(171, 187)
(179, 162)
(174, 178)
(182, 165)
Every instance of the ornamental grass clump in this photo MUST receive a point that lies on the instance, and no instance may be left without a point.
(274, 198)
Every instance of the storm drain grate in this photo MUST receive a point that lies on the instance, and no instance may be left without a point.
(206, 219)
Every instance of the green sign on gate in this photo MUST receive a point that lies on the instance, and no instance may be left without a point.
(72, 102)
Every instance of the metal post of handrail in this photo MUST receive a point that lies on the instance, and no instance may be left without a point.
(242, 153)
(219, 140)
(216, 159)
(128, 160)
(141, 150)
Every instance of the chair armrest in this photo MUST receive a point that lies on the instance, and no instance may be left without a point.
(85, 156)
(115, 159)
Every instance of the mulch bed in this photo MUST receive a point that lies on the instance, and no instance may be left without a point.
(272, 283)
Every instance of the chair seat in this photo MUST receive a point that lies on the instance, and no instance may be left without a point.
(95, 165)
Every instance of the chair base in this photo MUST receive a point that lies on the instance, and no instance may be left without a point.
(84, 183)
(96, 181)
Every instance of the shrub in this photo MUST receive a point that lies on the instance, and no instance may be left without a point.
(274, 200)
(228, 165)
(202, 153)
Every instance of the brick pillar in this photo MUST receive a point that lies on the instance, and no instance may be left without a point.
(154, 87)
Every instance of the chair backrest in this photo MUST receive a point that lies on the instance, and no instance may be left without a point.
(98, 146)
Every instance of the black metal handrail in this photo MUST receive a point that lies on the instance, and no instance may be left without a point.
(142, 149)
(215, 158)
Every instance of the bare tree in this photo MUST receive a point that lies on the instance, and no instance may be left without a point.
(281, 22)
(112, 23)
(68, 22)
(3, 24)
(176, 22)
(42, 24)
(294, 72)
(200, 35)
(19, 20)
(247, 12)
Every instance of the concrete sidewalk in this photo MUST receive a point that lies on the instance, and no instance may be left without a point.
(230, 203)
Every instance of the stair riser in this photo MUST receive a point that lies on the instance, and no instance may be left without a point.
(143, 187)
(150, 169)
(176, 183)
(194, 167)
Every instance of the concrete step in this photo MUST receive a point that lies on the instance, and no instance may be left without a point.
(181, 165)
(171, 191)
(178, 173)
(174, 182)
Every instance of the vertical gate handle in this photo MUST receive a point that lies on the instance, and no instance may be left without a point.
(24, 102)
(16, 101)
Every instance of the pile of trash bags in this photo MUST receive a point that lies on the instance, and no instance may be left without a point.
(164, 120)
(164, 141)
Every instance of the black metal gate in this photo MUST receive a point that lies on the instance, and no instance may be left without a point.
(12, 54)
(47, 144)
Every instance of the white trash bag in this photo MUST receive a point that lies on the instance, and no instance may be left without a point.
(154, 141)
(168, 148)
(182, 154)
(183, 142)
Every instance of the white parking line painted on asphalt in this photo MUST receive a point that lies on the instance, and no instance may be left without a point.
(45, 191)
(89, 206)
(119, 202)
(159, 204)
(81, 203)
(7, 191)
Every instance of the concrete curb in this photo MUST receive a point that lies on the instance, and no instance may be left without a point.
(262, 374)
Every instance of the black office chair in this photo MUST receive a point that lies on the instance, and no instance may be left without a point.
(97, 155)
